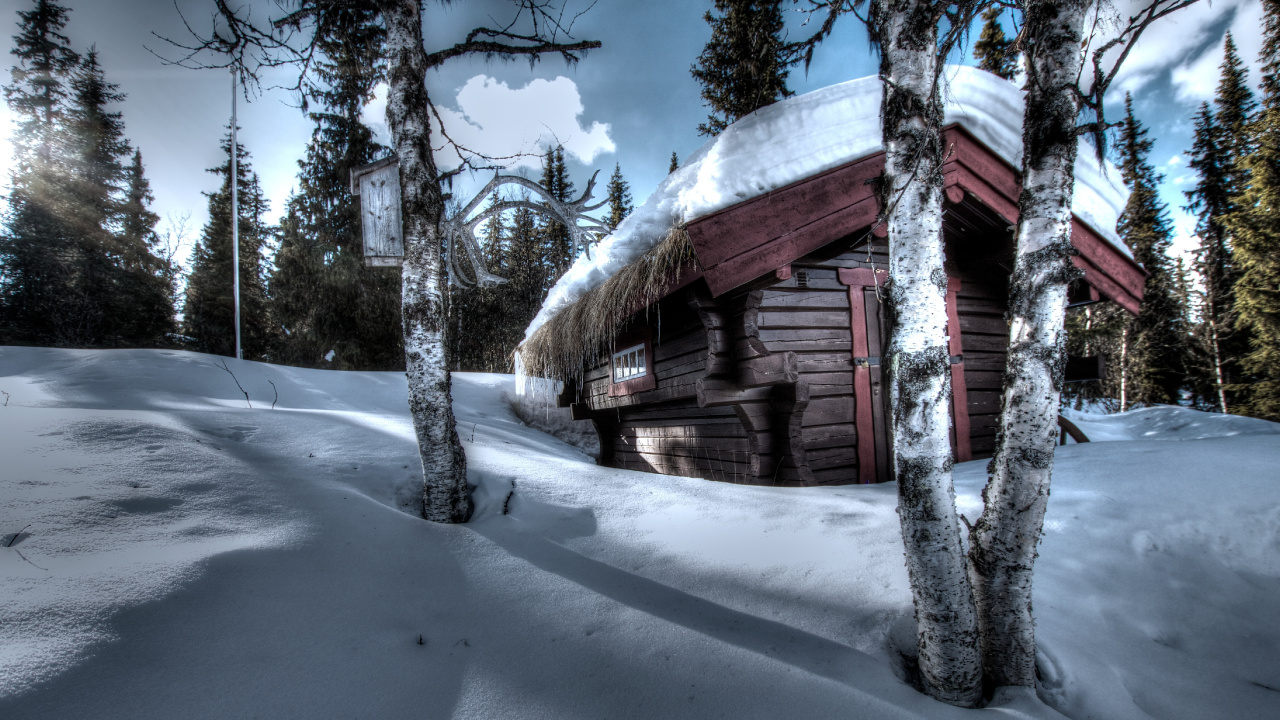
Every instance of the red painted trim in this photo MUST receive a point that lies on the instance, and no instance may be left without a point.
(858, 280)
(959, 389)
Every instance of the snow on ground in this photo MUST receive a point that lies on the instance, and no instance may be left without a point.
(184, 555)
(808, 134)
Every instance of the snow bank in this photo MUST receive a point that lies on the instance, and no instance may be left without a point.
(1166, 422)
(188, 556)
(806, 135)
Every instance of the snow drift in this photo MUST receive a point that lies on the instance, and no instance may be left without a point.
(176, 553)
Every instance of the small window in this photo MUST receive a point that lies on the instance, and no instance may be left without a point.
(629, 364)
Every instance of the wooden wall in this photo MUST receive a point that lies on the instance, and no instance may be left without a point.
(717, 413)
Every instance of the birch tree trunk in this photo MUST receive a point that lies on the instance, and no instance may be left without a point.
(1003, 542)
(919, 369)
(444, 467)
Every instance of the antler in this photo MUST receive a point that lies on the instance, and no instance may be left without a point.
(584, 230)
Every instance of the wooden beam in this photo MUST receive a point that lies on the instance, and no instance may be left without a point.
(959, 388)
(858, 279)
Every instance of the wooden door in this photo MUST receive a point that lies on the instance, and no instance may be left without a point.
(869, 336)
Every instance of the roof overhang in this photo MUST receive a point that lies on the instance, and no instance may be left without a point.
(739, 244)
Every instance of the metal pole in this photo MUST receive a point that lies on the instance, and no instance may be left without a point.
(235, 214)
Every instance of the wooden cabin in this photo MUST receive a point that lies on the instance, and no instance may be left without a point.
(757, 359)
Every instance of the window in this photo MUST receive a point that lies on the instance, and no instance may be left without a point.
(629, 364)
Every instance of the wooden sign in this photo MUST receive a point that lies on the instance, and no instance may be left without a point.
(378, 186)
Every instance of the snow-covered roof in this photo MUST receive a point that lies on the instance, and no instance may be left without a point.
(809, 134)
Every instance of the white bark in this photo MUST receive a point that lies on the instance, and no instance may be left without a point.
(919, 371)
(444, 467)
(1003, 542)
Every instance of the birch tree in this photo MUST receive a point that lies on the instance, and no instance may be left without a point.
(913, 49)
(537, 27)
(1003, 541)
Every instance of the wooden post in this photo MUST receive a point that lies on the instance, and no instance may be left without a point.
(959, 390)
(858, 279)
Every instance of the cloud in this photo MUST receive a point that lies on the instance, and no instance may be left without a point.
(1174, 161)
(1196, 79)
(516, 124)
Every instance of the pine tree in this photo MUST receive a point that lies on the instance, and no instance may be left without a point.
(95, 163)
(526, 276)
(323, 295)
(619, 199)
(995, 52)
(675, 163)
(558, 253)
(742, 68)
(1156, 365)
(37, 259)
(146, 296)
(208, 314)
(1214, 352)
(1255, 228)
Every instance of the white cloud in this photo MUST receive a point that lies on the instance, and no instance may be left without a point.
(1174, 161)
(1197, 78)
(492, 118)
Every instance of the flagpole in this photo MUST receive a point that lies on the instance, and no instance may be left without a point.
(235, 214)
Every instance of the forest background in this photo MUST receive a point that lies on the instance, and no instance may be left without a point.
(309, 301)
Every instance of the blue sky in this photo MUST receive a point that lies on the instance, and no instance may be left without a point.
(632, 102)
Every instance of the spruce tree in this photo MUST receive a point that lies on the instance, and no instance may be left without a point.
(619, 199)
(323, 295)
(1156, 363)
(147, 296)
(743, 66)
(526, 276)
(208, 314)
(95, 175)
(995, 52)
(1254, 224)
(558, 253)
(1214, 358)
(675, 163)
(37, 255)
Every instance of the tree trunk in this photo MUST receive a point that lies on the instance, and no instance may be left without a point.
(919, 369)
(444, 467)
(1003, 541)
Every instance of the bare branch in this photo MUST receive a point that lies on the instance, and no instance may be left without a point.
(1106, 68)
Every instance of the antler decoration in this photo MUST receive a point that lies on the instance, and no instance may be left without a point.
(583, 229)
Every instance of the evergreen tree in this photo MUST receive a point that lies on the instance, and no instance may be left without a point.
(37, 259)
(1156, 364)
(558, 253)
(1255, 228)
(323, 295)
(208, 314)
(95, 175)
(147, 297)
(1236, 105)
(486, 331)
(526, 276)
(675, 163)
(742, 68)
(993, 50)
(619, 199)
(1214, 358)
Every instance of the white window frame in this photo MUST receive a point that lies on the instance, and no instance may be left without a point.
(630, 363)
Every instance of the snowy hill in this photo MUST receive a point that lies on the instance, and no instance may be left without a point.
(183, 555)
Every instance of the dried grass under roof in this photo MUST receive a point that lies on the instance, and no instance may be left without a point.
(582, 332)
